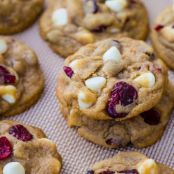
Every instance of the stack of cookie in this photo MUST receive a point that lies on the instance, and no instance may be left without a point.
(116, 93)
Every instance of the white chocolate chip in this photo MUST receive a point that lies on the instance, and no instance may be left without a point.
(86, 99)
(3, 46)
(8, 93)
(13, 168)
(112, 54)
(77, 64)
(84, 37)
(95, 83)
(168, 33)
(146, 80)
(60, 17)
(148, 166)
(116, 5)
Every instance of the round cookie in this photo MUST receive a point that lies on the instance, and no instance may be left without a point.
(15, 15)
(68, 25)
(141, 131)
(129, 163)
(25, 149)
(162, 36)
(111, 79)
(19, 74)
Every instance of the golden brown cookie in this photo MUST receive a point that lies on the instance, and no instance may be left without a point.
(25, 149)
(129, 163)
(111, 79)
(141, 131)
(17, 15)
(162, 36)
(19, 74)
(68, 25)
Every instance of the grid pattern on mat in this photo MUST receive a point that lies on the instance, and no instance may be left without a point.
(78, 154)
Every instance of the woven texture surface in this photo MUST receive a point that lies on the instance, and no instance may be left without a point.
(78, 154)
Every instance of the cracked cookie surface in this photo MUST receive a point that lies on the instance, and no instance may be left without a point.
(11, 20)
(25, 149)
(19, 72)
(162, 36)
(129, 163)
(112, 79)
(68, 25)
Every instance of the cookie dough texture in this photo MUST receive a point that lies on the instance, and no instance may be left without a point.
(22, 63)
(136, 59)
(39, 155)
(162, 36)
(127, 161)
(88, 21)
(137, 131)
(17, 15)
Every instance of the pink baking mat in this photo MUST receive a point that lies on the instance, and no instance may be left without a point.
(79, 154)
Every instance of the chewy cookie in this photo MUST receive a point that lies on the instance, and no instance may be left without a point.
(16, 15)
(68, 25)
(129, 163)
(162, 36)
(19, 74)
(141, 131)
(112, 79)
(26, 150)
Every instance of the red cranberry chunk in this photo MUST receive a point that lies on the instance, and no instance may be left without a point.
(122, 93)
(5, 148)
(20, 132)
(133, 171)
(68, 71)
(6, 77)
(159, 27)
(151, 117)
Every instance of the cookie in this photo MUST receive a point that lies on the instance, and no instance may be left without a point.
(111, 79)
(141, 131)
(19, 74)
(170, 85)
(68, 25)
(25, 149)
(15, 15)
(162, 36)
(130, 163)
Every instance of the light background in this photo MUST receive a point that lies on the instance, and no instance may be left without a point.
(78, 154)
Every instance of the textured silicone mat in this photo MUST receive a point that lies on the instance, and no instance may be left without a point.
(78, 154)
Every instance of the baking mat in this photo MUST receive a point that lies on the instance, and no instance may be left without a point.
(79, 154)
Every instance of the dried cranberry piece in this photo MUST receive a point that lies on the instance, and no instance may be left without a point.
(5, 148)
(159, 27)
(107, 172)
(99, 29)
(134, 171)
(90, 172)
(122, 93)
(68, 71)
(20, 132)
(6, 77)
(151, 117)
